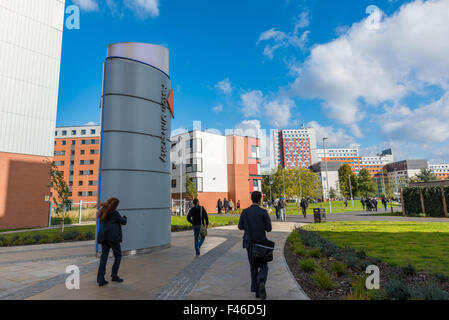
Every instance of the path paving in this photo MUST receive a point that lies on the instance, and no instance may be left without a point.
(221, 272)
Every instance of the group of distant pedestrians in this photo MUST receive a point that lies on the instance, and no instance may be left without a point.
(227, 206)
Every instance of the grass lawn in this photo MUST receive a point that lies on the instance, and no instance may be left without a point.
(424, 245)
(337, 207)
(177, 223)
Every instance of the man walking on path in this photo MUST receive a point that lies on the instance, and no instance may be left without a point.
(255, 221)
(219, 206)
(282, 208)
(304, 205)
(363, 203)
(197, 216)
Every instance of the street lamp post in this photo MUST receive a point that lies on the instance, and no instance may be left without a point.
(327, 178)
(382, 174)
(180, 176)
(350, 190)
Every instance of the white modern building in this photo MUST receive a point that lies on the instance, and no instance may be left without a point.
(220, 166)
(30, 57)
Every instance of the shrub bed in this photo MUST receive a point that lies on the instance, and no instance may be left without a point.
(335, 273)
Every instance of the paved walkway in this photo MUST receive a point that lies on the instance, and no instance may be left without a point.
(221, 272)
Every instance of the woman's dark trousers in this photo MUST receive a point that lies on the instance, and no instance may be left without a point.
(117, 251)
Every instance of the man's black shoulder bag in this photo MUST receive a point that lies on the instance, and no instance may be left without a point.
(259, 251)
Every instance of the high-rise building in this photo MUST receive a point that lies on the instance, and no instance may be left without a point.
(294, 148)
(77, 155)
(219, 166)
(30, 51)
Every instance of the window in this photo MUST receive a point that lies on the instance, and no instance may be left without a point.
(82, 152)
(94, 151)
(83, 132)
(64, 132)
(63, 142)
(59, 163)
(83, 141)
(198, 184)
(73, 132)
(92, 131)
(194, 146)
(56, 133)
(173, 183)
(194, 165)
(73, 142)
(59, 153)
(80, 183)
(173, 165)
(72, 152)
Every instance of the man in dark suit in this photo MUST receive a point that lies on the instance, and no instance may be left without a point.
(255, 221)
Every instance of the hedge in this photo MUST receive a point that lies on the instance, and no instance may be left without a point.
(433, 201)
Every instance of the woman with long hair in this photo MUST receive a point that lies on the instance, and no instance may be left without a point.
(110, 237)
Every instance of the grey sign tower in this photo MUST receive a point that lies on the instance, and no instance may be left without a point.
(137, 108)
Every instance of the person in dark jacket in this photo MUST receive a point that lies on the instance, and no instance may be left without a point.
(110, 236)
(255, 221)
(304, 205)
(219, 205)
(194, 217)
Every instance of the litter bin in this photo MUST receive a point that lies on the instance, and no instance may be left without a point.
(319, 215)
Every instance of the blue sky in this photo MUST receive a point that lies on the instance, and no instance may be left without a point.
(276, 64)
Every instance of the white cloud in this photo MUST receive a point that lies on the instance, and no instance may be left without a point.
(87, 5)
(282, 39)
(278, 112)
(337, 138)
(426, 124)
(218, 108)
(224, 86)
(91, 123)
(252, 102)
(364, 67)
(143, 8)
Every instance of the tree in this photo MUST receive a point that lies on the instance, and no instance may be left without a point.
(60, 192)
(366, 186)
(344, 174)
(191, 190)
(332, 193)
(424, 175)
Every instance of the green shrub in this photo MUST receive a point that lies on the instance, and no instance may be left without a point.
(90, 235)
(409, 270)
(81, 237)
(430, 291)
(442, 277)
(37, 238)
(338, 267)
(299, 249)
(307, 265)
(396, 289)
(323, 261)
(322, 279)
(70, 235)
(57, 238)
(359, 291)
(314, 253)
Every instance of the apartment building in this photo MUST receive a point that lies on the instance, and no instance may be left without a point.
(77, 155)
(295, 148)
(440, 170)
(349, 156)
(30, 57)
(328, 175)
(219, 166)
